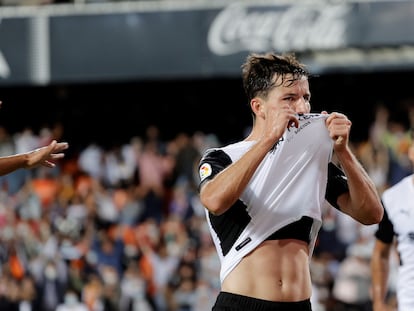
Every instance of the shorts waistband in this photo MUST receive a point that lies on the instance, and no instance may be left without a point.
(240, 302)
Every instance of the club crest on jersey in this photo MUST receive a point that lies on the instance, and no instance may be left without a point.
(205, 171)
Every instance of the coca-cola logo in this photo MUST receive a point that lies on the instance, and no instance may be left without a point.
(239, 28)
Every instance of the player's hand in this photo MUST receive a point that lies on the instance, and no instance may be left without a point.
(339, 127)
(46, 155)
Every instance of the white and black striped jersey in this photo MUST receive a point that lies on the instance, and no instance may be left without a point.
(398, 222)
(291, 182)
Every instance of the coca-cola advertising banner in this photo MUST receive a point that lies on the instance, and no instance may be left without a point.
(130, 43)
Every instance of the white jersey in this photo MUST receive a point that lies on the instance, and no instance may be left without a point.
(399, 205)
(289, 183)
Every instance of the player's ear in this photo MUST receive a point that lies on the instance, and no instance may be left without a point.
(257, 107)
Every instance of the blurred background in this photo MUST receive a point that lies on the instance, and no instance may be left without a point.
(140, 89)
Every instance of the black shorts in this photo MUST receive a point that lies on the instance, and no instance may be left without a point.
(233, 302)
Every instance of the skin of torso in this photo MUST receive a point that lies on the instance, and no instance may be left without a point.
(277, 270)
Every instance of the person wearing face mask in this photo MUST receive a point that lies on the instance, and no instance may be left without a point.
(71, 302)
(51, 285)
(263, 196)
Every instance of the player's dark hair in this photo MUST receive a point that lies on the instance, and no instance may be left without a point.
(261, 71)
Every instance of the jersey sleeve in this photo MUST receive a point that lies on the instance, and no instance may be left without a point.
(212, 162)
(385, 232)
(337, 184)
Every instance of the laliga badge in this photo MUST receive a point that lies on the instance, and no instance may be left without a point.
(205, 170)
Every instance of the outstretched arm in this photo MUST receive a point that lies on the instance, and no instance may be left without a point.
(43, 156)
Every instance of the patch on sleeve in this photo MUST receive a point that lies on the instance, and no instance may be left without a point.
(205, 171)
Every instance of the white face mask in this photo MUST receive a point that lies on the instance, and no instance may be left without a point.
(109, 277)
(71, 299)
(50, 273)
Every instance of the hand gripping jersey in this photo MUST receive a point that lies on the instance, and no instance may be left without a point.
(290, 183)
(398, 221)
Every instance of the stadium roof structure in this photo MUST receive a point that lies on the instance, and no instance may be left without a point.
(95, 41)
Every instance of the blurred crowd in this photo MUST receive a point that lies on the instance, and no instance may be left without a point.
(118, 228)
(122, 229)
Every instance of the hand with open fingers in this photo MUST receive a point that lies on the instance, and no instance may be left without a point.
(45, 155)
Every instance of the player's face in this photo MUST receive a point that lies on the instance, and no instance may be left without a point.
(296, 95)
